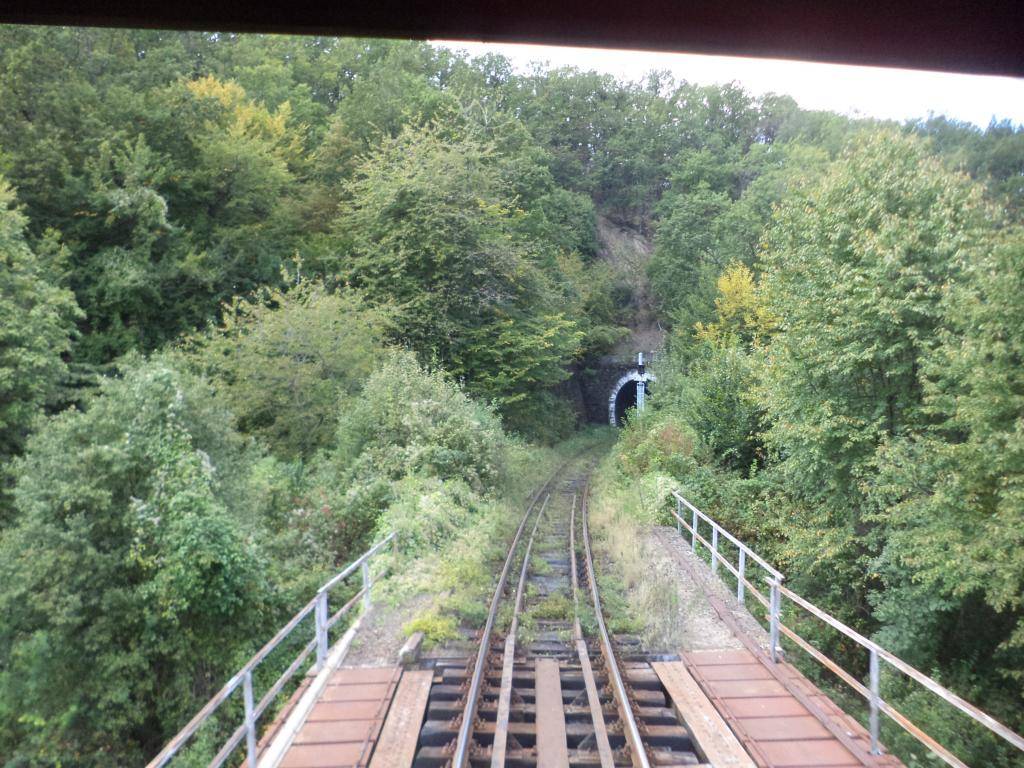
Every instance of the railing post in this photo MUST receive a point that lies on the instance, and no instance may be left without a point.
(714, 548)
(320, 613)
(874, 701)
(250, 718)
(367, 582)
(679, 515)
(742, 570)
(773, 612)
(693, 540)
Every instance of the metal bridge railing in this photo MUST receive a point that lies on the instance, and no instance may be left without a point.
(876, 654)
(323, 622)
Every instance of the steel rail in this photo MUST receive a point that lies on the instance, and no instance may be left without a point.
(461, 757)
(604, 747)
(632, 731)
(508, 658)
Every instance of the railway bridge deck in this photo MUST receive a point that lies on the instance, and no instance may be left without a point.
(542, 688)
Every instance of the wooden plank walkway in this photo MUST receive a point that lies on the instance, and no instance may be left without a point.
(342, 728)
(781, 718)
(552, 749)
(396, 746)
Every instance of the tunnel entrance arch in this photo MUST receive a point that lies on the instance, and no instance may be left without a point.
(623, 396)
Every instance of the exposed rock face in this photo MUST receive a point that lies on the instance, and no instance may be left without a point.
(593, 387)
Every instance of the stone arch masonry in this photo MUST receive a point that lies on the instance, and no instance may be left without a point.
(600, 382)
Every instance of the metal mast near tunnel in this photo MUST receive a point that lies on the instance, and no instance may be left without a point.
(641, 386)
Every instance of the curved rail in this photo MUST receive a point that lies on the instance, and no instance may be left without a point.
(604, 749)
(630, 728)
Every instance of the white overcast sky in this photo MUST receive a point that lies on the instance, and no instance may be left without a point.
(867, 91)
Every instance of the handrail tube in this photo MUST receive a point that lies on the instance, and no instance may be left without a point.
(229, 687)
(193, 725)
(876, 650)
(350, 569)
(756, 592)
(732, 539)
(901, 720)
(750, 553)
(894, 714)
(336, 617)
(287, 675)
(825, 661)
(829, 619)
(271, 644)
(229, 746)
(939, 690)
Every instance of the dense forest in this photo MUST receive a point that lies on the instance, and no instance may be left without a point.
(261, 294)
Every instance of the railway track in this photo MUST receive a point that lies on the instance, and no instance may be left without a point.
(549, 686)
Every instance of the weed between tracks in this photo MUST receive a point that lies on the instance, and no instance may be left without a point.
(552, 607)
(460, 574)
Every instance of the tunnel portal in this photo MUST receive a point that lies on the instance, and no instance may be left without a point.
(623, 396)
(607, 389)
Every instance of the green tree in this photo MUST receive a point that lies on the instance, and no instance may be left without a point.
(37, 325)
(282, 359)
(951, 500)
(430, 230)
(686, 259)
(130, 581)
(855, 269)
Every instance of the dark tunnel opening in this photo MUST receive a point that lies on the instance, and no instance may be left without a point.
(624, 400)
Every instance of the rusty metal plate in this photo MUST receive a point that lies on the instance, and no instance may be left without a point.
(362, 675)
(737, 689)
(344, 755)
(735, 672)
(818, 753)
(784, 728)
(344, 710)
(370, 691)
(709, 658)
(768, 706)
(341, 730)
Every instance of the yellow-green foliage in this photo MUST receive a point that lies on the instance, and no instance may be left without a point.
(741, 307)
(436, 627)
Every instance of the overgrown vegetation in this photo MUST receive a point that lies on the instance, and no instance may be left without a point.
(460, 573)
(852, 409)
